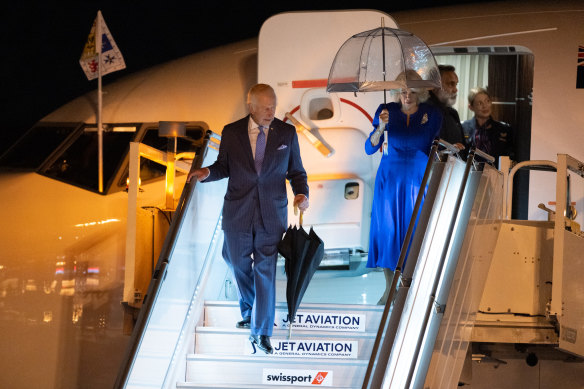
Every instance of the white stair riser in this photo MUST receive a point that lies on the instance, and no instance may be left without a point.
(322, 319)
(250, 373)
(297, 346)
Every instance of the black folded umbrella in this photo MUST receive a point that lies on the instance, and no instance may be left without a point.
(303, 253)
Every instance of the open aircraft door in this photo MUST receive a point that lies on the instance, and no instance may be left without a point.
(332, 127)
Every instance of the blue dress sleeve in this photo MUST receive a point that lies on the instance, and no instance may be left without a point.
(369, 148)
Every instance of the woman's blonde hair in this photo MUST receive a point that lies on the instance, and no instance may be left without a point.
(408, 75)
(474, 92)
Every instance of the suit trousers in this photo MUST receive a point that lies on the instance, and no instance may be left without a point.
(252, 257)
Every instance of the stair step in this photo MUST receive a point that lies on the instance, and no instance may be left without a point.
(192, 385)
(302, 344)
(310, 316)
(258, 370)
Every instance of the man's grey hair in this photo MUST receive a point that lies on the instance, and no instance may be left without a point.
(259, 89)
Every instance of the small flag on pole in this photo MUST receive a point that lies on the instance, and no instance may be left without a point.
(580, 68)
(111, 57)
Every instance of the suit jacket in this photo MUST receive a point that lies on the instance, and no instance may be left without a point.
(451, 130)
(245, 189)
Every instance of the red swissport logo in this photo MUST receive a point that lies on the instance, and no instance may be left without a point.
(319, 378)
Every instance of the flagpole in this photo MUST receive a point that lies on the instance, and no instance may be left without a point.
(100, 44)
(98, 48)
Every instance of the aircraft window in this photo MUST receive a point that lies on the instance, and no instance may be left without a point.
(320, 109)
(78, 164)
(150, 170)
(35, 146)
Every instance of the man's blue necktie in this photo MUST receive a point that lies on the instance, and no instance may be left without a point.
(260, 150)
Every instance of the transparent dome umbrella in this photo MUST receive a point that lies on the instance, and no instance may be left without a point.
(372, 60)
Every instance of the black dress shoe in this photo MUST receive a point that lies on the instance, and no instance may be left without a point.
(244, 323)
(263, 343)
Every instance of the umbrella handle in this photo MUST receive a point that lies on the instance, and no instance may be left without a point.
(301, 214)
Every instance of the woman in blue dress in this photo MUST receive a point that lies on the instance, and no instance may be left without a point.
(411, 125)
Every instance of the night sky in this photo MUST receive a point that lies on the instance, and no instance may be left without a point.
(42, 43)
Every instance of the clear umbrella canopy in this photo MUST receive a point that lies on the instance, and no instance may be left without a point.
(373, 60)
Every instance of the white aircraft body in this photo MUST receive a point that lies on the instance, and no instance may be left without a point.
(65, 261)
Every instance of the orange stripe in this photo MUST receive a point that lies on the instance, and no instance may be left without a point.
(310, 83)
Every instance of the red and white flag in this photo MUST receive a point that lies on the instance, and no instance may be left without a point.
(111, 57)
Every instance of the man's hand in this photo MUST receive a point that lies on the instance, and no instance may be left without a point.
(200, 174)
(301, 201)
(459, 146)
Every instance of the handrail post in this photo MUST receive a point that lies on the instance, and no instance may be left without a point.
(130, 257)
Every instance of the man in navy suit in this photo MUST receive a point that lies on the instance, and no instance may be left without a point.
(258, 154)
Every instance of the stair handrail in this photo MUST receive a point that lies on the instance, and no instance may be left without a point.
(160, 270)
(381, 351)
(371, 378)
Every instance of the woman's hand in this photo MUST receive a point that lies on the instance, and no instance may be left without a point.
(384, 116)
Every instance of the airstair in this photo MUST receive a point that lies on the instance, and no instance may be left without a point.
(185, 335)
(321, 351)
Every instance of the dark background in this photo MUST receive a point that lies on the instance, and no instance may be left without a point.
(41, 43)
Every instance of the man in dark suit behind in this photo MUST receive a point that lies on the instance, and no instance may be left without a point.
(444, 98)
(255, 205)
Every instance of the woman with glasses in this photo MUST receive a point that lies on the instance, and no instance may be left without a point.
(410, 126)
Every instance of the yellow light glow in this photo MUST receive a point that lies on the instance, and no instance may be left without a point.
(128, 182)
(47, 316)
(89, 224)
(124, 129)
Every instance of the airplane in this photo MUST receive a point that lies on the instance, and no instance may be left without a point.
(76, 264)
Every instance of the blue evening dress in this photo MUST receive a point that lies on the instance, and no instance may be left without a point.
(398, 178)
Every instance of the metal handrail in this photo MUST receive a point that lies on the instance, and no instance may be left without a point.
(160, 271)
(378, 354)
(381, 351)
(440, 267)
(531, 165)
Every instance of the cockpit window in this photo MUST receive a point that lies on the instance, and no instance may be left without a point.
(78, 164)
(36, 146)
(69, 152)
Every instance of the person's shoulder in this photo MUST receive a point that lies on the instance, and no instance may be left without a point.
(428, 107)
(432, 99)
(235, 127)
(500, 125)
(236, 124)
(468, 123)
(392, 107)
(282, 127)
(277, 123)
